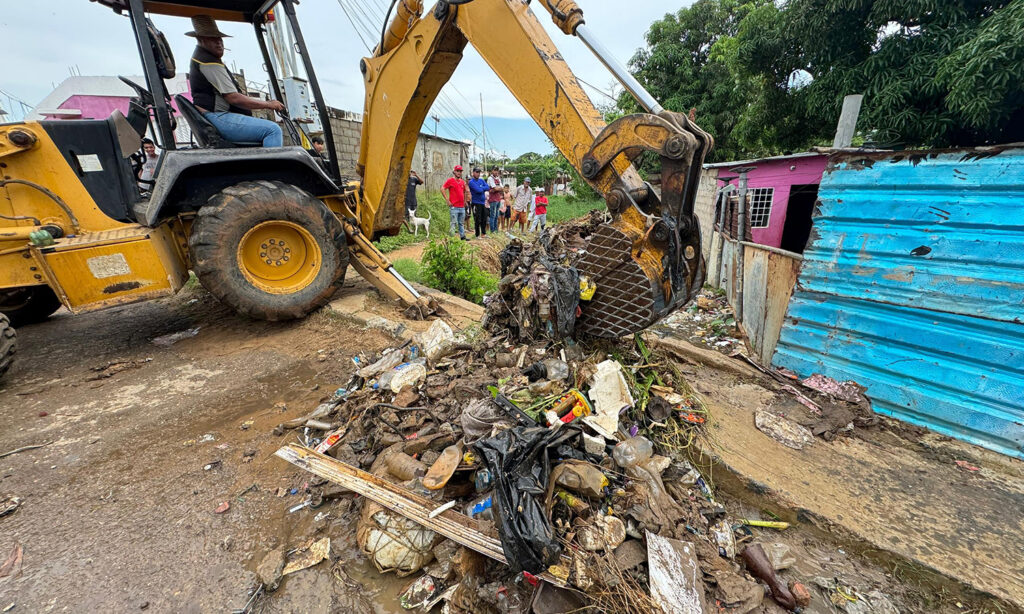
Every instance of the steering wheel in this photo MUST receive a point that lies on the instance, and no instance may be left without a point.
(146, 98)
(141, 93)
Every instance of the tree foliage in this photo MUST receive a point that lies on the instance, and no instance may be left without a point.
(766, 78)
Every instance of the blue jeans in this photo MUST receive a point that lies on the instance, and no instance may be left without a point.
(494, 215)
(239, 128)
(458, 215)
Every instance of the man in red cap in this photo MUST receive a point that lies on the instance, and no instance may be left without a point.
(456, 193)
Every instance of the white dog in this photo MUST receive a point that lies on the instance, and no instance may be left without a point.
(419, 221)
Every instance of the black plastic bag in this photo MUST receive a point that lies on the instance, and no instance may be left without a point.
(520, 459)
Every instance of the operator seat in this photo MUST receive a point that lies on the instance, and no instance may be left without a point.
(204, 132)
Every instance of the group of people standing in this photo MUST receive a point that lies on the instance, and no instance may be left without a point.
(491, 205)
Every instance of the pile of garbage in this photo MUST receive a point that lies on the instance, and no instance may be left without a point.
(708, 321)
(540, 289)
(539, 476)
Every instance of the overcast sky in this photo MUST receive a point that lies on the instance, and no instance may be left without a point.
(42, 41)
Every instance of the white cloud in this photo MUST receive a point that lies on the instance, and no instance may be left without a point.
(42, 41)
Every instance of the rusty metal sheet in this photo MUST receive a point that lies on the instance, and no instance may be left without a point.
(913, 285)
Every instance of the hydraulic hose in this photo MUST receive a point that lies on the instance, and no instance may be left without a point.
(57, 199)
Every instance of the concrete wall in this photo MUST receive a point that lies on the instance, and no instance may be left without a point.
(782, 175)
(434, 160)
(346, 127)
(704, 207)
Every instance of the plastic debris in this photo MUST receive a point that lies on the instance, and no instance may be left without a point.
(786, 432)
(436, 341)
(316, 552)
(169, 340)
(419, 593)
(676, 583)
(610, 394)
(759, 567)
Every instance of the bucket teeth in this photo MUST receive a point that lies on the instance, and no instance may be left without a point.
(625, 297)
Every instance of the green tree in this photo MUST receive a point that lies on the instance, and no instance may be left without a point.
(766, 78)
(689, 63)
(933, 72)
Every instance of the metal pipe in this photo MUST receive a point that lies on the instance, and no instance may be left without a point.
(724, 194)
(136, 11)
(741, 230)
(408, 10)
(627, 80)
(11, 233)
(314, 86)
(402, 280)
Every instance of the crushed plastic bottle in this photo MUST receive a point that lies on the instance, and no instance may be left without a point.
(405, 374)
(549, 368)
(632, 452)
(483, 479)
(389, 360)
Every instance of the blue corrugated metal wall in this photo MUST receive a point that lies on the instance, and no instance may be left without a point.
(913, 285)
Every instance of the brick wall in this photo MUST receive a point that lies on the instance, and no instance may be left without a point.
(441, 155)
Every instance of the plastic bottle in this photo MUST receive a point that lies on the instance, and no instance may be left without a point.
(405, 374)
(405, 467)
(483, 479)
(549, 368)
(482, 508)
(388, 361)
(545, 387)
(632, 452)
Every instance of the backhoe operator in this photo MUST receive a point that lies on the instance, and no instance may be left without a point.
(216, 94)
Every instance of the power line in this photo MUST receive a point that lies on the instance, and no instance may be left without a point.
(352, 22)
(361, 17)
(598, 90)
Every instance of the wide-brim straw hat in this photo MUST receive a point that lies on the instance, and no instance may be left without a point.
(204, 26)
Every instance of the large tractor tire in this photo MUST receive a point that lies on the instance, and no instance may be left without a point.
(269, 250)
(8, 344)
(28, 305)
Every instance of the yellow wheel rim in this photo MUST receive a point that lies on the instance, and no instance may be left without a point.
(279, 257)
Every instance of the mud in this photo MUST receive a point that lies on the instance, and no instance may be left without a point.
(118, 511)
(147, 441)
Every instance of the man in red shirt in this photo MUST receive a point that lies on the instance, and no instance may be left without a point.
(456, 193)
(540, 213)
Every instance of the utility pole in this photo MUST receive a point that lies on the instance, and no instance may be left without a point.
(483, 129)
(436, 119)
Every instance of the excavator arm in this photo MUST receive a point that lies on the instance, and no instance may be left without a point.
(647, 260)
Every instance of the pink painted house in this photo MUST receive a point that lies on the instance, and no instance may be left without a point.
(782, 191)
(96, 97)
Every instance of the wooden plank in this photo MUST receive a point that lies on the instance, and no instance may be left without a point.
(453, 525)
(783, 272)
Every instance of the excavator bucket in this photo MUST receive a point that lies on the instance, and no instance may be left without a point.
(647, 261)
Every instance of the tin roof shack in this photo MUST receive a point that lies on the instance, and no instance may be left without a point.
(781, 195)
(913, 286)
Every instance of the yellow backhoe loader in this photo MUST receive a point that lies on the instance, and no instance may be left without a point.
(271, 231)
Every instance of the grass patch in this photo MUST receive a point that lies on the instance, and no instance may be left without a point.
(409, 269)
(434, 207)
(449, 266)
(562, 208)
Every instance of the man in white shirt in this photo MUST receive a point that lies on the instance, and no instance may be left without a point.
(149, 166)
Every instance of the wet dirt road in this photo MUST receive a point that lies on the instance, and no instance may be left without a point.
(118, 511)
